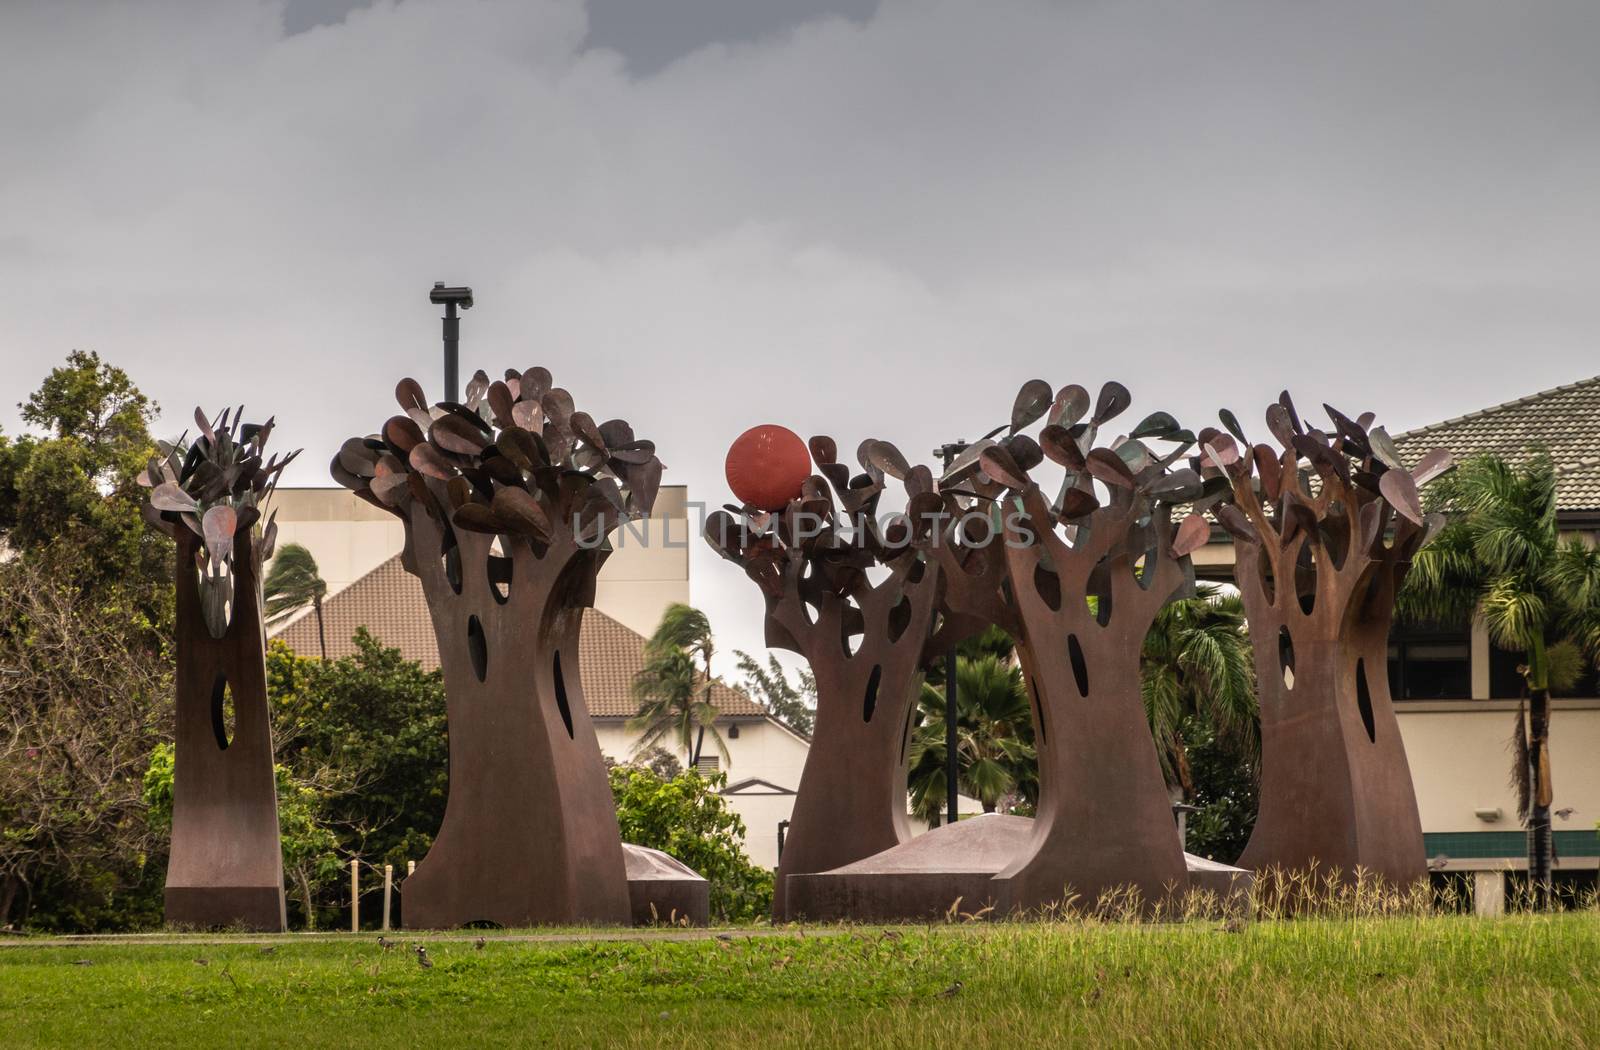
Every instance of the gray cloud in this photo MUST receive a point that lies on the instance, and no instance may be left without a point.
(868, 225)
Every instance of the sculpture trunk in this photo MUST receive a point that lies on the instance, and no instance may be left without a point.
(1336, 790)
(1104, 822)
(851, 801)
(520, 844)
(226, 864)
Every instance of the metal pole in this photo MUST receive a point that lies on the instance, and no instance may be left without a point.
(951, 765)
(452, 353)
(951, 762)
(388, 889)
(450, 298)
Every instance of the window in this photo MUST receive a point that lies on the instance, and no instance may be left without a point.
(1430, 664)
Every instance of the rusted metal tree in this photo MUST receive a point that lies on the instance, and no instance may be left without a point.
(865, 642)
(226, 865)
(1324, 529)
(508, 501)
(1087, 572)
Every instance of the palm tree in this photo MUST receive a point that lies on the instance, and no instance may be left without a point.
(995, 756)
(293, 583)
(1197, 667)
(668, 684)
(1500, 558)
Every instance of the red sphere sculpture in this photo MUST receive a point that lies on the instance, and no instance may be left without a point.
(766, 466)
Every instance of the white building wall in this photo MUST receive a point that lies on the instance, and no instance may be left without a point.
(1460, 762)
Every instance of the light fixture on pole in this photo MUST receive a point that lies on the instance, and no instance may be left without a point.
(450, 298)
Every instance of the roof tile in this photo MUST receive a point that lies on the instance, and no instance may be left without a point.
(1565, 421)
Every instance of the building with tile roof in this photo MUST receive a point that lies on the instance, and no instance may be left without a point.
(1564, 421)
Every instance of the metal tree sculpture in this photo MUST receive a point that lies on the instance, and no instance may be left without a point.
(865, 643)
(1087, 574)
(508, 501)
(1321, 552)
(226, 865)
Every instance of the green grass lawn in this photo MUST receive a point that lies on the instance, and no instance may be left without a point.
(1443, 981)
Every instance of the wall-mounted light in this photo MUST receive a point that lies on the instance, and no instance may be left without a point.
(1489, 815)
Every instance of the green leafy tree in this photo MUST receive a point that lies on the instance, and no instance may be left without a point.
(1197, 670)
(674, 693)
(793, 705)
(1500, 557)
(368, 730)
(70, 498)
(1225, 793)
(293, 583)
(687, 818)
(85, 668)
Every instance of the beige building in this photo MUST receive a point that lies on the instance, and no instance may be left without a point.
(357, 549)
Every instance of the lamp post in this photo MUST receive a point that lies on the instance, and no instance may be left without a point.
(450, 298)
(947, 453)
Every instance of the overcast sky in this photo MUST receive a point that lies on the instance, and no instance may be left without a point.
(858, 218)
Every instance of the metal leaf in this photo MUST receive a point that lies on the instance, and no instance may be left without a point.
(1180, 486)
(1057, 443)
(999, 465)
(1107, 466)
(391, 490)
(1294, 417)
(522, 512)
(1032, 402)
(557, 405)
(1231, 422)
(1401, 491)
(536, 382)
(475, 517)
(1270, 469)
(402, 434)
(477, 386)
(1072, 401)
(1075, 503)
(1281, 425)
(888, 459)
(1383, 448)
(1193, 533)
(527, 415)
(425, 459)
(408, 392)
(356, 457)
(1156, 425)
(454, 434)
(644, 485)
(824, 450)
(501, 401)
(1432, 465)
(168, 496)
(217, 527)
(1234, 520)
(1113, 401)
(1024, 450)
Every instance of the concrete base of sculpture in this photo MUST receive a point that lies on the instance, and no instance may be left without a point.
(923, 878)
(662, 889)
